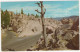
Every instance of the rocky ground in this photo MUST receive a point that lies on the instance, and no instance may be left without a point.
(60, 35)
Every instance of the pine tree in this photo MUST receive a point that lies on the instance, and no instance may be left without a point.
(6, 18)
(2, 17)
(28, 14)
(36, 16)
(22, 11)
(32, 14)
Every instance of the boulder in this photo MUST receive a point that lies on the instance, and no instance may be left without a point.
(74, 43)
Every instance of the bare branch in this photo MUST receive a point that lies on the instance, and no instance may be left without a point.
(38, 11)
(38, 4)
(41, 1)
(44, 10)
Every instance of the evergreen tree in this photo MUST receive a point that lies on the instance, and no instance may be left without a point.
(2, 17)
(36, 16)
(32, 14)
(22, 11)
(28, 14)
(6, 18)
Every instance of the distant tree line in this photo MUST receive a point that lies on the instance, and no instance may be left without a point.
(5, 17)
(36, 16)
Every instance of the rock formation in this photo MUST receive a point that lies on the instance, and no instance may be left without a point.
(59, 34)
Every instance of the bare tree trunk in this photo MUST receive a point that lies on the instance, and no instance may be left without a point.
(42, 18)
(43, 25)
(44, 31)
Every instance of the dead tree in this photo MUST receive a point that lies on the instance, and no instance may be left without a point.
(43, 10)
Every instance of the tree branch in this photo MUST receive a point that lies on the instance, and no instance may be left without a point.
(44, 10)
(38, 11)
(41, 1)
(38, 4)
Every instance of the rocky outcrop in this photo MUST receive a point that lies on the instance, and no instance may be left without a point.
(29, 25)
(59, 34)
(58, 39)
(67, 21)
(75, 25)
(74, 43)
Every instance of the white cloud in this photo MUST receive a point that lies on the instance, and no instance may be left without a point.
(55, 11)
(73, 7)
(61, 12)
(25, 8)
(51, 6)
(31, 8)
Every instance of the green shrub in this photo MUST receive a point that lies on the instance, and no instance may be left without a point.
(36, 16)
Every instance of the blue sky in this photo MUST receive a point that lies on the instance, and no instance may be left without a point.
(53, 8)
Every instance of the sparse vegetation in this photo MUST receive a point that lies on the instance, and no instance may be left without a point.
(28, 14)
(32, 14)
(29, 32)
(37, 16)
(22, 11)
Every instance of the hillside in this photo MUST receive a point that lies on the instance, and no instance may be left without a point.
(71, 17)
(59, 34)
